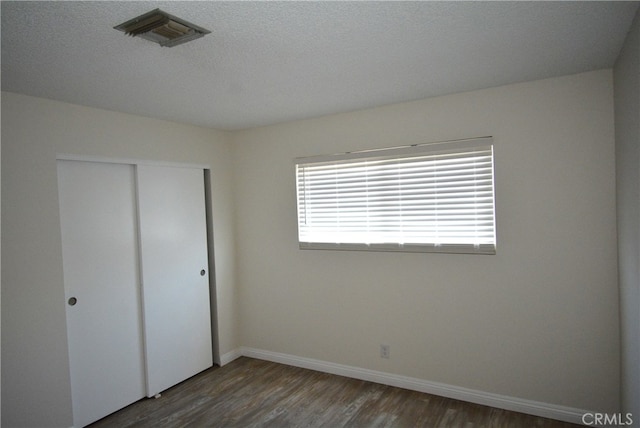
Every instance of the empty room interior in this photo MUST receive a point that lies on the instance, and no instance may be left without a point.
(438, 196)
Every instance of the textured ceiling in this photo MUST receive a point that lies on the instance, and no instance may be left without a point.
(270, 62)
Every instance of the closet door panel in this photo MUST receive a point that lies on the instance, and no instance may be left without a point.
(175, 284)
(100, 262)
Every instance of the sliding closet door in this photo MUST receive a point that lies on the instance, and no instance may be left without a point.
(173, 238)
(101, 277)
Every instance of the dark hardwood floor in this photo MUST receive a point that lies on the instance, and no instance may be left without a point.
(256, 393)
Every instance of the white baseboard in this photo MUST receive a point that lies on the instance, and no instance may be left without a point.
(546, 410)
(230, 356)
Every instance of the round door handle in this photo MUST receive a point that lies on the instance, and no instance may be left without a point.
(203, 272)
(72, 301)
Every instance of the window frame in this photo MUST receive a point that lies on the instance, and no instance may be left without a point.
(404, 152)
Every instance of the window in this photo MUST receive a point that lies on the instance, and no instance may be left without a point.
(431, 197)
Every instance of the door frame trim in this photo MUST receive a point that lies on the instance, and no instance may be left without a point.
(128, 161)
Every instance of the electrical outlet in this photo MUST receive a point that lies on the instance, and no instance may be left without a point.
(385, 351)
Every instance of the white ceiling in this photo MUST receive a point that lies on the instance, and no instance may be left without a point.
(271, 62)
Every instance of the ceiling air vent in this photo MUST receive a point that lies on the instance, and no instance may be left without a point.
(162, 28)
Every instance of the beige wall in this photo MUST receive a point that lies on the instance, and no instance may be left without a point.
(35, 371)
(538, 321)
(627, 108)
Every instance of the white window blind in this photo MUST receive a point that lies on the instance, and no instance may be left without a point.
(433, 197)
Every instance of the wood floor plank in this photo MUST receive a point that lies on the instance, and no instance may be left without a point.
(255, 393)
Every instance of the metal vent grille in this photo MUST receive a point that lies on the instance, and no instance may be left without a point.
(162, 28)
